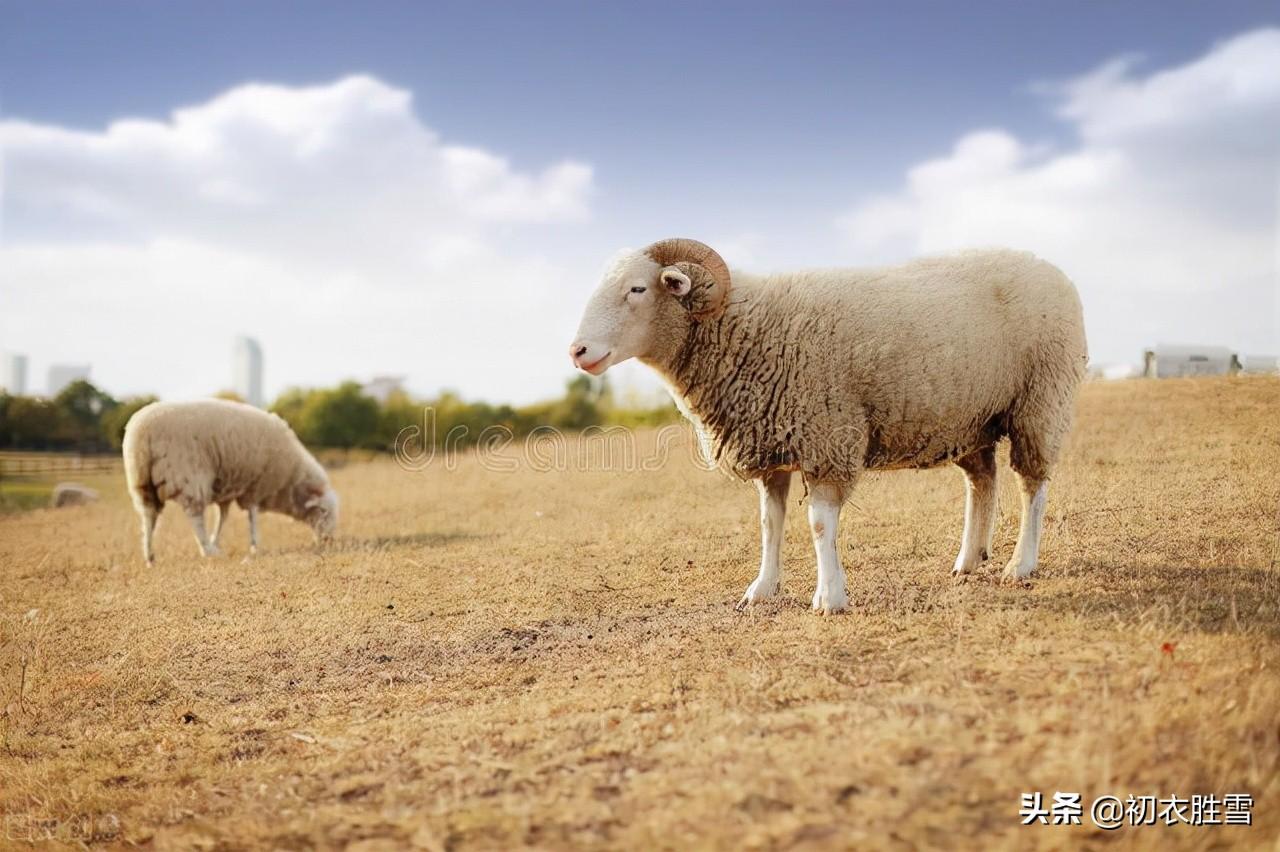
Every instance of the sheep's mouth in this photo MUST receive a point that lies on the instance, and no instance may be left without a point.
(598, 366)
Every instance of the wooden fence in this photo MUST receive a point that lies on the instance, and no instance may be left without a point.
(40, 464)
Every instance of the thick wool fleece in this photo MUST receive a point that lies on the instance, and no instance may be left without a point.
(216, 451)
(831, 372)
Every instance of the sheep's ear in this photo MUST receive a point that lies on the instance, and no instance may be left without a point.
(696, 288)
(306, 496)
(675, 281)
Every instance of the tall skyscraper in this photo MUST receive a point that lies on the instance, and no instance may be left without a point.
(61, 375)
(13, 373)
(246, 370)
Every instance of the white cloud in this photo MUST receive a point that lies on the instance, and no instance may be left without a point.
(328, 221)
(1164, 211)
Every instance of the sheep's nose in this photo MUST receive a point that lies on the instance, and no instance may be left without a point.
(576, 351)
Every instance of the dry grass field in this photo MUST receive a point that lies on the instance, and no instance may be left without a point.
(492, 659)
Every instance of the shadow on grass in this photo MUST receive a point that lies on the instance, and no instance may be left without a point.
(392, 542)
(1209, 599)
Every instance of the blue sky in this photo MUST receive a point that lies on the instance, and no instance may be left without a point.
(820, 98)
(764, 128)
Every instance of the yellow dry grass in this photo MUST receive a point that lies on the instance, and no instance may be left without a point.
(496, 659)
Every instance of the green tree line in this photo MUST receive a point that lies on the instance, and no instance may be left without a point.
(81, 418)
(84, 418)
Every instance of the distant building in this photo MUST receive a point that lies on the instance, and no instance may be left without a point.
(13, 374)
(382, 387)
(1173, 360)
(61, 375)
(1260, 364)
(246, 370)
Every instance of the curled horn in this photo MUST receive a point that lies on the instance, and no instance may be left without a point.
(707, 273)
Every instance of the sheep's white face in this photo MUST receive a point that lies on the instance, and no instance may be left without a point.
(619, 319)
(321, 513)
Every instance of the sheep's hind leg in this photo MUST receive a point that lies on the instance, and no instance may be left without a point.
(1036, 431)
(149, 516)
(196, 516)
(979, 509)
(773, 512)
(253, 530)
(825, 500)
(1035, 494)
(223, 509)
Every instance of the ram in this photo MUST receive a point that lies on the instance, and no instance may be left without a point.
(217, 451)
(834, 372)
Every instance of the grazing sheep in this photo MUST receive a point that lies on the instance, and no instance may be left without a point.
(833, 372)
(72, 494)
(216, 451)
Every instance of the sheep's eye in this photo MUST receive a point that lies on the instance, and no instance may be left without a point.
(638, 289)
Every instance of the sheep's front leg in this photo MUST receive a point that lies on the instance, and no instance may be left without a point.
(195, 514)
(773, 512)
(825, 500)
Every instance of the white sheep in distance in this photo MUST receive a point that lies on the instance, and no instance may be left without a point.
(833, 372)
(217, 451)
